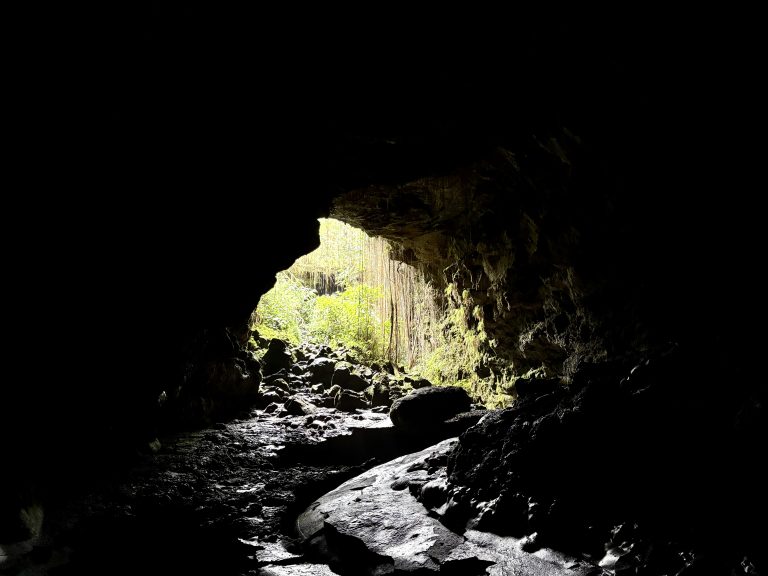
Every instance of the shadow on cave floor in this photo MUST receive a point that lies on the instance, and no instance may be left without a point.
(217, 501)
(223, 500)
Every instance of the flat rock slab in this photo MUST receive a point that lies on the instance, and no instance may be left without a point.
(373, 522)
(298, 570)
(268, 552)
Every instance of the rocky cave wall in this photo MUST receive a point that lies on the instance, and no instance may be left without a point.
(562, 259)
(510, 230)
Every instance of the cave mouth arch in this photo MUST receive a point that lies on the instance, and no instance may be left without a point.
(357, 292)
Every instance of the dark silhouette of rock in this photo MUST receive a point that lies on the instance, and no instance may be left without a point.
(299, 406)
(268, 397)
(415, 382)
(321, 370)
(348, 401)
(272, 407)
(300, 355)
(277, 357)
(429, 406)
(281, 384)
(535, 386)
(420, 383)
(379, 394)
(344, 377)
(463, 420)
(373, 525)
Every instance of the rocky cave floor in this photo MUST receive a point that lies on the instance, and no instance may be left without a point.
(215, 501)
(224, 501)
(308, 482)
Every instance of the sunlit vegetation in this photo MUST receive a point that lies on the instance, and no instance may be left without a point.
(353, 292)
(455, 360)
(464, 352)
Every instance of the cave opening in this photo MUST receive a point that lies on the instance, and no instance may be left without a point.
(354, 292)
(362, 303)
(373, 302)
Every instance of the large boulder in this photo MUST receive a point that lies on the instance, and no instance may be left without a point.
(374, 524)
(416, 383)
(321, 370)
(526, 387)
(344, 376)
(378, 393)
(426, 407)
(299, 406)
(277, 357)
(349, 401)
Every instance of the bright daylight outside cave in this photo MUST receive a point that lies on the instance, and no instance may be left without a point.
(358, 300)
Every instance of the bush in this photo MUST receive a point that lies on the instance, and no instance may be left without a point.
(284, 311)
(348, 319)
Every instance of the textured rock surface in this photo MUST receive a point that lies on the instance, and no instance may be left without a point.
(372, 522)
(547, 268)
(217, 501)
(277, 357)
(427, 407)
(302, 570)
(623, 446)
(208, 502)
(344, 377)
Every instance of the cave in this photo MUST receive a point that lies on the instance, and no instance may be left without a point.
(585, 190)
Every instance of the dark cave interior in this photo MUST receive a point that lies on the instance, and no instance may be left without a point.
(590, 183)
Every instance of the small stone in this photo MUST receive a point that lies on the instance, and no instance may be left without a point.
(530, 543)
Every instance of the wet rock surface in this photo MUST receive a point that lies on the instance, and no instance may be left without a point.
(223, 500)
(208, 502)
(374, 524)
(633, 467)
(577, 480)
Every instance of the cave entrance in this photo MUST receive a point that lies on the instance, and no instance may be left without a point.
(354, 292)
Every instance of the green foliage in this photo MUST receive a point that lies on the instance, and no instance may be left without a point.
(348, 319)
(460, 351)
(341, 253)
(383, 308)
(463, 349)
(293, 312)
(285, 310)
